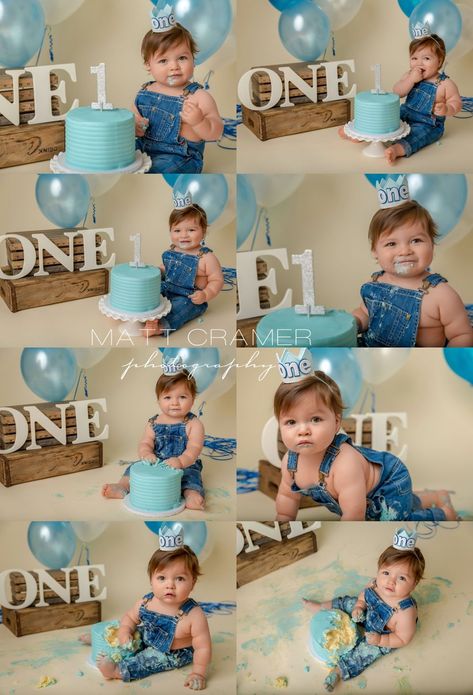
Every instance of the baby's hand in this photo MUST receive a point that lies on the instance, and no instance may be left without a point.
(195, 682)
(440, 109)
(191, 113)
(151, 458)
(124, 637)
(373, 638)
(174, 462)
(141, 124)
(416, 74)
(358, 615)
(198, 297)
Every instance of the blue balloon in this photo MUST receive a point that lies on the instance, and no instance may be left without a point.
(340, 364)
(53, 543)
(63, 198)
(283, 5)
(203, 363)
(210, 191)
(460, 361)
(195, 532)
(407, 6)
(304, 30)
(170, 178)
(444, 19)
(247, 208)
(49, 372)
(21, 31)
(209, 22)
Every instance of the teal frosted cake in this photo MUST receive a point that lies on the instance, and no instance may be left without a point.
(331, 634)
(105, 641)
(154, 487)
(135, 289)
(99, 140)
(286, 328)
(376, 114)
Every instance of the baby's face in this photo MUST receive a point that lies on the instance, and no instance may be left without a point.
(173, 583)
(425, 59)
(309, 426)
(174, 67)
(187, 234)
(176, 401)
(395, 581)
(406, 251)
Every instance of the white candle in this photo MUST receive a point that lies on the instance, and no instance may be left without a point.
(137, 263)
(101, 102)
(377, 79)
(308, 288)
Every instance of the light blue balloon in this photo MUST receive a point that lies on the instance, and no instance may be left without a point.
(444, 19)
(209, 22)
(443, 195)
(50, 373)
(63, 198)
(407, 6)
(340, 364)
(210, 191)
(53, 543)
(21, 31)
(283, 5)
(460, 361)
(195, 532)
(247, 208)
(201, 362)
(304, 30)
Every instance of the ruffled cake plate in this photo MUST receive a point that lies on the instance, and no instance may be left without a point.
(376, 147)
(153, 515)
(132, 319)
(141, 165)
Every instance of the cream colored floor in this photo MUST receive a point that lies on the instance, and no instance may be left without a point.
(324, 152)
(272, 627)
(23, 660)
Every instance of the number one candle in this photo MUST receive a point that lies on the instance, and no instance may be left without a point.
(308, 289)
(377, 79)
(137, 262)
(101, 102)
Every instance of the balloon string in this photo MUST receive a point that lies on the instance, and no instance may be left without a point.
(86, 390)
(373, 401)
(94, 212)
(229, 278)
(42, 43)
(247, 481)
(51, 46)
(333, 44)
(220, 448)
(431, 528)
(365, 396)
(77, 385)
(262, 212)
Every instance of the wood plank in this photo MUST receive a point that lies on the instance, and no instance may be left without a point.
(18, 586)
(26, 144)
(49, 409)
(29, 621)
(24, 82)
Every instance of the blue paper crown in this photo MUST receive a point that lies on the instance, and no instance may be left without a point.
(293, 367)
(404, 539)
(182, 200)
(163, 19)
(392, 192)
(171, 537)
(420, 29)
(172, 366)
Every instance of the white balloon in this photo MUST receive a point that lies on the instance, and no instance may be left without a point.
(226, 376)
(87, 531)
(56, 11)
(229, 213)
(379, 364)
(89, 357)
(465, 42)
(101, 183)
(269, 441)
(271, 190)
(339, 12)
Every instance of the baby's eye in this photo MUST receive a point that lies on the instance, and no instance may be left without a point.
(402, 579)
(290, 422)
(385, 572)
(160, 578)
(390, 243)
(162, 61)
(316, 418)
(183, 58)
(417, 241)
(180, 579)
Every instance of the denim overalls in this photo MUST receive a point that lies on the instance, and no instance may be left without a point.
(378, 614)
(394, 311)
(170, 152)
(417, 110)
(180, 271)
(171, 440)
(157, 633)
(391, 500)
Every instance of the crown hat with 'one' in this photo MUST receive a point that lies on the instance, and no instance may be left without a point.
(162, 19)
(404, 539)
(172, 366)
(293, 368)
(182, 200)
(171, 537)
(420, 30)
(392, 191)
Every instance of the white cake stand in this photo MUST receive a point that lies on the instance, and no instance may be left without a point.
(132, 319)
(154, 515)
(376, 147)
(141, 165)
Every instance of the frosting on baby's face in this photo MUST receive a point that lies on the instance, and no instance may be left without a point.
(187, 234)
(173, 67)
(406, 251)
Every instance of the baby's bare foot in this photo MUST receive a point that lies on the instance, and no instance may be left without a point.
(113, 491)
(331, 680)
(194, 500)
(312, 606)
(107, 667)
(445, 503)
(151, 328)
(392, 153)
(85, 638)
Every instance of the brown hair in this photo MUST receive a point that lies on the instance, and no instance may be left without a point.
(323, 385)
(414, 558)
(166, 382)
(162, 558)
(387, 219)
(160, 42)
(434, 42)
(194, 211)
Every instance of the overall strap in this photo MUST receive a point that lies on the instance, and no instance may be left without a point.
(186, 607)
(431, 280)
(292, 462)
(192, 88)
(332, 452)
(375, 276)
(147, 598)
(407, 603)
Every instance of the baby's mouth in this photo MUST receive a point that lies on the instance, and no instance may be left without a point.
(402, 266)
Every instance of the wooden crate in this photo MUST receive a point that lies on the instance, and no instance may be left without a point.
(29, 621)
(26, 96)
(301, 118)
(30, 292)
(246, 326)
(273, 555)
(261, 84)
(18, 587)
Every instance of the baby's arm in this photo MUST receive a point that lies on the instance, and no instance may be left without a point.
(407, 82)
(287, 501)
(202, 649)
(140, 122)
(195, 442)
(362, 317)
(350, 486)
(201, 113)
(128, 623)
(359, 608)
(402, 634)
(214, 276)
(452, 102)
(454, 318)
(146, 446)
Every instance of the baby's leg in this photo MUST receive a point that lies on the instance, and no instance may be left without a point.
(85, 638)
(344, 136)
(108, 668)
(359, 658)
(316, 606)
(150, 661)
(332, 679)
(394, 152)
(438, 499)
(152, 328)
(194, 499)
(117, 490)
